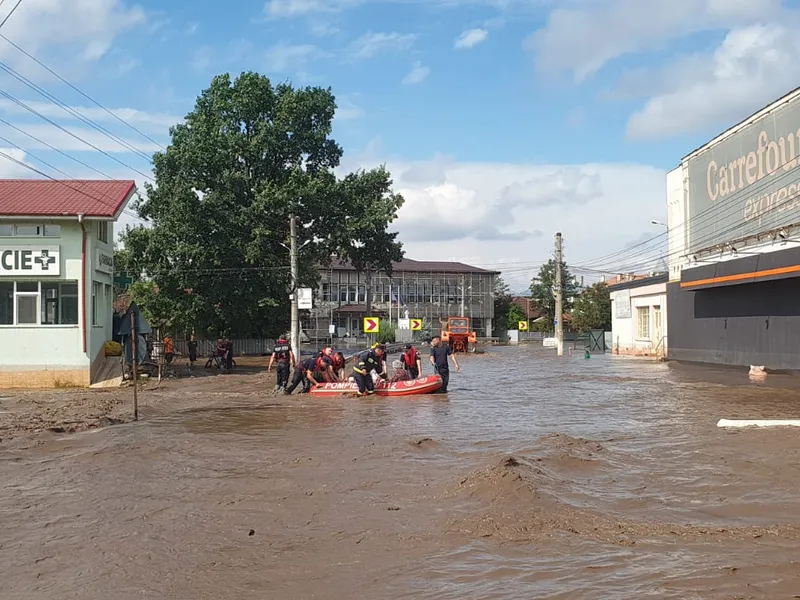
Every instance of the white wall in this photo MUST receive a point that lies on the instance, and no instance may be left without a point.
(98, 334)
(624, 330)
(51, 345)
(677, 209)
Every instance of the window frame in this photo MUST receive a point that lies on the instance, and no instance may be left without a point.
(25, 294)
(41, 303)
(102, 231)
(643, 312)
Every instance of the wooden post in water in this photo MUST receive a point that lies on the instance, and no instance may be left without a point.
(133, 368)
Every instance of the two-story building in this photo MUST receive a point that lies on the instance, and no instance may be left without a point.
(56, 275)
(431, 291)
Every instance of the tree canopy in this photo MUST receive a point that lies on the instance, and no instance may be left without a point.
(249, 155)
(542, 292)
(592, 309)
(502, 303)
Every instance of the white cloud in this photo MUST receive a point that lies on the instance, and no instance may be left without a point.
(372, 44)
(751, 67)
(471, 38)
(417, 74)
(90, 26)
(505, 215)
(158, 122)
(298, 8)
(9, 169)
(583, 38)
(65, 142)
(285, 57)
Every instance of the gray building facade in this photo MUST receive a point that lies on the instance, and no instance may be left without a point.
(430, 291)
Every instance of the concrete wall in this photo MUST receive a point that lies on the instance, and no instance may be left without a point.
(44, 356)
(624, 330)
(748, 324)
(99, 334)
(677, 199)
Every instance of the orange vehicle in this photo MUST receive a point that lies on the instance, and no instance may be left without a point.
(458, 334)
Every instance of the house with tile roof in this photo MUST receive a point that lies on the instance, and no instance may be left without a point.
(56, 275)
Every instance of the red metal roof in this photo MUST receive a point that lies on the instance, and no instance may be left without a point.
(68, 197)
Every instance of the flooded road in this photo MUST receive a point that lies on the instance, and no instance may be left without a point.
(536, 477)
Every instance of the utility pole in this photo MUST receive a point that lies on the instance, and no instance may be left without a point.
(559, 316)
(295, 324)
(463, 292)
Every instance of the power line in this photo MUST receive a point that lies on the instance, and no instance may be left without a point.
(71, 134)
(708, 218)
(43, 174)
(82, 93)
(8, 16)
(72, 111)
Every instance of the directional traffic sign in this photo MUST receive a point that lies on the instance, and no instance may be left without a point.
(523, 326)
(372, 325)
(416, 324)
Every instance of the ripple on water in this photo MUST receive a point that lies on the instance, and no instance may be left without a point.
(535, 477)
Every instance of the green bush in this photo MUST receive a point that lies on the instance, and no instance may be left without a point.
(386, 335)
(112, 348)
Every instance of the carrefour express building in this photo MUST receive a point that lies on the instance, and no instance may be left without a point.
(734, 244)
(56, 273)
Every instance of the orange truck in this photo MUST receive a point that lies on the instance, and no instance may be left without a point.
(458, 334)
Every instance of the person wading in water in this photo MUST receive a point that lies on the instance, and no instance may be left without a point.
(440, 362)
(282, 355)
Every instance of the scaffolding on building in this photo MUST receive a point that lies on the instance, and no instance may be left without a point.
(431, 295)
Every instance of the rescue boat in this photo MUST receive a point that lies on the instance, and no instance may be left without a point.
(411, 387)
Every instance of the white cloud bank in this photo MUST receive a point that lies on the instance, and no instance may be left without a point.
(583, 38)
(505, 215)
(752, 67)
(90, 26)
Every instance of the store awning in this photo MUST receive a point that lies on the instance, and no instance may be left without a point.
(767, 266)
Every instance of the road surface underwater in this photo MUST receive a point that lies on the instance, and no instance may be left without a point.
(535, 477)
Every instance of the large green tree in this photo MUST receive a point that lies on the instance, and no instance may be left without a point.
(542, 293)
(247, 157)
(592, 309)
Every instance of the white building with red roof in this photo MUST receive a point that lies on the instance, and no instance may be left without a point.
(56, 275)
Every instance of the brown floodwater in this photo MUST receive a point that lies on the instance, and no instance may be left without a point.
(535, 477)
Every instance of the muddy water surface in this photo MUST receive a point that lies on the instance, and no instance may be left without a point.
(534, 478)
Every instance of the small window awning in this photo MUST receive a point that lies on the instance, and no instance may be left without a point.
(767, 266)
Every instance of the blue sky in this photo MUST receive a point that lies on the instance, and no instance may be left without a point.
(549, 115)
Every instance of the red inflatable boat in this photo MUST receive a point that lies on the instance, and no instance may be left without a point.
(412, 387)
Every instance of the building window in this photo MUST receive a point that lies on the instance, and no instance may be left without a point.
(102, 231)
(96, 291)
(39, 303)
(326, 292)
(28, 230)
(362, 294)
(643, 322)
(7, 303)
(59, 303)
(343, 293)
(27, 303)
(351, 295)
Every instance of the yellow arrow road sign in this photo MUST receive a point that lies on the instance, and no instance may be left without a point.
(372, 325)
